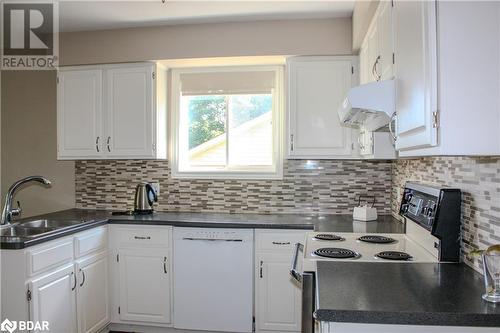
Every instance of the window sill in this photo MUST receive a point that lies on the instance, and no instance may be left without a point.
(228, 175)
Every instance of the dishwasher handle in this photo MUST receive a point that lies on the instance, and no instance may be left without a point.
(213, 239)
(293, 269)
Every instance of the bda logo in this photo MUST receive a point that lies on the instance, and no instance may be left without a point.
(8, 325)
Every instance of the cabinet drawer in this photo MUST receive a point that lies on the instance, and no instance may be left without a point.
(142, 236)
(276, 240)
(91, 241)
(49, 256)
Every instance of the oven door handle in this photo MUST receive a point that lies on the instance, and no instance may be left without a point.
(293, 269)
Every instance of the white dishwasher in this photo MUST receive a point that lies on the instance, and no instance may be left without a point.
(213, 279)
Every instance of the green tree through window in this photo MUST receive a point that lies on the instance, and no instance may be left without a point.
(207, 118)
(207, 114)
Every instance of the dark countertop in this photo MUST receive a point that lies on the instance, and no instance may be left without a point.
(86, 219)
(402, 293)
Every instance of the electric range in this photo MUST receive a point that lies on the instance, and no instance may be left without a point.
(363, 247)
(432, 223)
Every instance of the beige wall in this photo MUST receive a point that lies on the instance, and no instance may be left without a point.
(361, 18)
(288, 37)
(28, 98)
(28, 121)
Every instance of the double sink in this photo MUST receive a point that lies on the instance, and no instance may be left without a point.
(36, 228)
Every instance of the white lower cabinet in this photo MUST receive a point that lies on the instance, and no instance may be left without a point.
(277, 295)
(92, 292)
(53, 299)
(144, 285)
(141, 271)
(279, 298)
(53, 283)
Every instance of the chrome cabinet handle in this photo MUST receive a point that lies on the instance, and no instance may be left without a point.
(361, 145)
(142, 237)
(165, 265)
(281, 243)
(293, 270)
(74, 281)
(391, 130)
(107, 143)
(375, 73)
(291, 142)
(378, 75)
(260, 270)
(83, 277)
(97, 144)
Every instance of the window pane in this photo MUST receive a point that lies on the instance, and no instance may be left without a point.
(250, 129)
(206, 130)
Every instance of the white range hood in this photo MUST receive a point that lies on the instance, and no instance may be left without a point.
(370, 105)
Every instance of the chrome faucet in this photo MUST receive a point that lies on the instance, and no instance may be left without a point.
(8, 212)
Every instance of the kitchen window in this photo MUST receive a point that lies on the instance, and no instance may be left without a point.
(227, 122)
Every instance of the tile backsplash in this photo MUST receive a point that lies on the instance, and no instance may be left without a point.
(317, 186)
(479, 180)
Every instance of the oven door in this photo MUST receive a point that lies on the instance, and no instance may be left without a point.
(306, 280)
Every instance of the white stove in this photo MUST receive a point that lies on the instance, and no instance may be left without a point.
(432, 234)
(395, 248)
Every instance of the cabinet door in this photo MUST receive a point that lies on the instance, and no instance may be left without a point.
(385, 40)
(372, 52)
(278, 296)
(92, 293)
(79, 114)
(130, 129)
(364, 71)
(416, 73)
(317, 87)
(53, 299)
(145, 285)
(365, 142)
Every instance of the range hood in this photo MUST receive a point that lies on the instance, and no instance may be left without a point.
(369, 105)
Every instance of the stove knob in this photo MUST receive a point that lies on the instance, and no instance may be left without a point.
(429, 212)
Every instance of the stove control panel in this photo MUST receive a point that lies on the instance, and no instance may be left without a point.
(436, 209)
(420, 207)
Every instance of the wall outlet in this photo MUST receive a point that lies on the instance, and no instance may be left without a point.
(156, 188)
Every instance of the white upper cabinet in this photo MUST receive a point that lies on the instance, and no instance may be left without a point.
(385, 40)
(376, 53)
(415, 69)
(457, 42)
(316, 88)
(129, 105)
(112, 111)
(376, 145)
(372, 53)
(79, 121)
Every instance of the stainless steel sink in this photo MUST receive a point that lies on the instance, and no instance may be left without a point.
(46, 224)
(24, 232)
(34, 228)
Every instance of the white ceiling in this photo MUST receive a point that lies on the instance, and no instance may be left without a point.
(99, 15)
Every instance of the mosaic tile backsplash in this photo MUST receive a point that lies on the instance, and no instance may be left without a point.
(479, 180)
(319, 186)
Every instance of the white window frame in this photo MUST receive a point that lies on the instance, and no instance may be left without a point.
(232, 173)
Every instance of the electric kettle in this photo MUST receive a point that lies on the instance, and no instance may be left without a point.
(145, 195)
